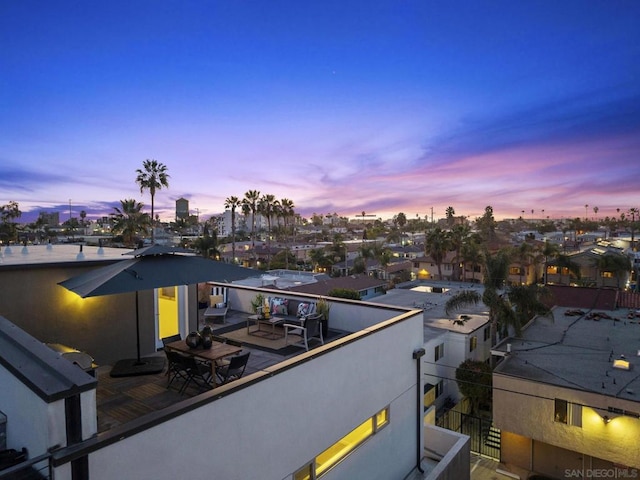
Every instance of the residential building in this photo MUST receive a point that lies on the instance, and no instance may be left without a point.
(351, 408)
(565, 395)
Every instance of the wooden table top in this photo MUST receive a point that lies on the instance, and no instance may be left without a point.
(216, 352)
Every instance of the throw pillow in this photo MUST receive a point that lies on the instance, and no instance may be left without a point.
(303, 309)
(279, 306)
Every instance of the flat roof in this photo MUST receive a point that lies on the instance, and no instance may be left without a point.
(57, 253)
(431, 297)
(577, 351)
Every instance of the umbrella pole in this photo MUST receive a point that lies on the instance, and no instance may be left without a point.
(138, 327)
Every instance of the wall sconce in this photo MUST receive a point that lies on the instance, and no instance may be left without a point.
(606, 419)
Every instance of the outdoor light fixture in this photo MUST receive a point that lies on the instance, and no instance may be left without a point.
(621, 363)
(606, 419)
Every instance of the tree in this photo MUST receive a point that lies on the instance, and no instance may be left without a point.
(288, 213)
(474, 381)
(437, 245)
(8, 213)
(471, 253)
(487, 224)
(207, 246)
(615, 263)
(129, 220)
(502, 312)
(550, 250)
(250, 207)
(524, 254)
(457, 238)
(153, 177)
(450, 213)
(233, 203)
(267, 208)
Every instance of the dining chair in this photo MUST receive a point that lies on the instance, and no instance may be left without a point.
(310, 328)
(176, 368)
(198, 373)
(234, 370)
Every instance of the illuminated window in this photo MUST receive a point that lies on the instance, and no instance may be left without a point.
(606, 274)
(473, 343)
(339, 450)
(552, 270)
(439, 352)
(515, 270)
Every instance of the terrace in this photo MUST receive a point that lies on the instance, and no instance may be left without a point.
(123, 399)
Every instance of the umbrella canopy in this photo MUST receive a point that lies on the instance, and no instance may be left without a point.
(147, 272)
(152, 267)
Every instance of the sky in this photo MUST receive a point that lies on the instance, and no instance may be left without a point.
(340, 106)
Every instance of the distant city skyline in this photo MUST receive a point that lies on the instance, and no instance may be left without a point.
(344, 107)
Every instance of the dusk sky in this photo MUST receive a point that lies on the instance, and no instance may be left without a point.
(340, 106)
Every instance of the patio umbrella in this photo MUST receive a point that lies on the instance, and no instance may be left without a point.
(151, 267)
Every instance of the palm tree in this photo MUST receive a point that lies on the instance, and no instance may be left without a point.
(471, 253)
(565, 263)
(450, 212)
(287, 211)
(524, 254)
(153, 176)
(233, 203)
(512, 309)
(250, 207)
(617, 264)
(458, 236)
(267, 208)
(550, 250)
(129, 221)
(437, 245)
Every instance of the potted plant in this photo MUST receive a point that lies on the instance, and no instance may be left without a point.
(257, 304)
(322, 309)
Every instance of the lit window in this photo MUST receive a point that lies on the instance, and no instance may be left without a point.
(607, 274)
(552, 270)
(339, 450)
(514, 270)
(473, 343)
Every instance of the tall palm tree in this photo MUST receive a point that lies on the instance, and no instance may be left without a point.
(550, 250)
(153, 176)
(287, 210)
(437, 245)
(250, 207)
(450, 213)
(267, 208)
(457, 237)
(471, 254)
(524, 254)
(233, 203)
(129, 221)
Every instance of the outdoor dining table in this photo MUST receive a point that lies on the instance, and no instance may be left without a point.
(217, 351)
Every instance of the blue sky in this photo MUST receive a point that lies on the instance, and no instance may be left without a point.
(377, 106)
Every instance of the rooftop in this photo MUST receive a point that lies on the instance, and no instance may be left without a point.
(576, 349)
(431, 296)
(63, 252)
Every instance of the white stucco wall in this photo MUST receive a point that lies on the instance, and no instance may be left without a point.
(526, 408)
(273, 427)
